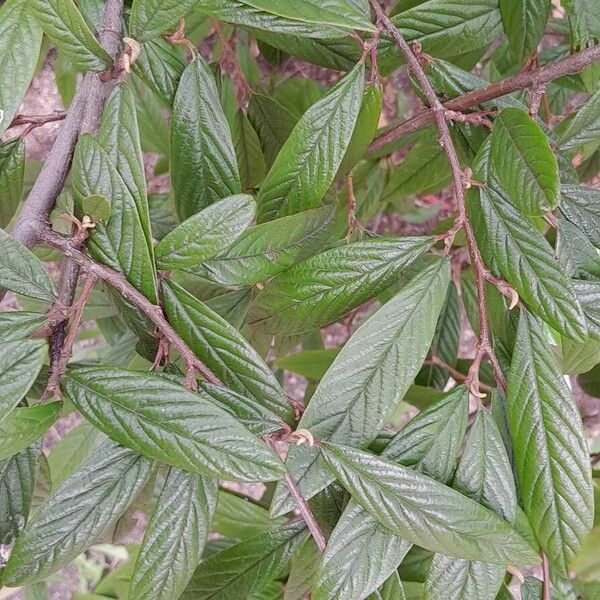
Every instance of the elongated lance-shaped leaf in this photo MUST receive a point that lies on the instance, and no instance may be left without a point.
(485, 475)
(20, 41)
(581, 206)
(20, 363)
(206, 233)
(361, 552)
(65, 26)
(368, 378)
(511, 245)
(246, 568)
(175, 537)
(425, 512)
(588, 294)
(12, 169)
(310, 158)
(323, 287)
(550, 454)
(22, 272)
(122, 242)
(204, 167)
(266, 250)
(524, 22)
(163, 420)
(76, 514)
(584, 127)
(150, 18)
(224, 350)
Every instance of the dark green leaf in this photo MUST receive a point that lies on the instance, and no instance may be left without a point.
(174, 540)
(65, 26)
(20, 41)
(312, 364)
(246, 568)
(310, 158)
(150, 18)
(369, 377)
(522, 163)
(584, 127)
(526, 260)
(524, 22)
(250, 158)
(550, 454)
(22, 272)
(157, 418)
(263, 251)
(206, 233)
(204, 167)
(76, 514)
(12, 169)
(322, 288)
(588, 294)
(425, 512)
(224, 350)
(20, 363)
(581, 206)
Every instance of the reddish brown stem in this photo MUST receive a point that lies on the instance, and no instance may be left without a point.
(546, 585)
(34, 121)
(484, 346)
(456, 375)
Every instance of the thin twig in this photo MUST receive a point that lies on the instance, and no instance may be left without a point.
(546, 585)
(34, 121)
(152, 311)
(484, 346)
(59, 367)
(351, 221)
(456, 375)
(546, 74)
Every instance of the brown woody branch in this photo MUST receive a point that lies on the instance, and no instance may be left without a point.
(531, 79)
(35, 121)
(484, 347)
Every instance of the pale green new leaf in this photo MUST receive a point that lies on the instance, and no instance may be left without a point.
(522, 163)
(158, 418)
(311, 156)
(77, 513)
(524, 22)
(584, 127)
(526, 260)
(323, 287)
(65, 26)
(150, 18)
(206, 233)
(204, 166)
(20, 363)
(20, 41)
(175, 537)
(12, 168)
(550, 453)
(22, 272)
(225, 351)
(368, 378)
(248, 567)
(425, 512)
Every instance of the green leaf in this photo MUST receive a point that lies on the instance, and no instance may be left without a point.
(425, 512)
(322, 288)
(584, 127)
(204, 167)
(96, 207)
(273, 123)
(12, 169)
(224, 350)
(522, 163)
(67, 29)
(361, 552)
(71, 450)
(22, 272)
(150, 18)
(526, 260)
(263, 251)
(312, 364)
(174, 540)
(23, 426)
(392, 589)
(71, 520)
(585, 564)
(588, 294)
(121, 243)
(368, 378)
(246, 568)
(157, 418)
(581, 206)
(20, 363)
(524, 22)
(310, 158)
(20, 42)
(17, 480)
(250, 158)
(550, 453)
(16, 325)
(484, 475)
(206, 233)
